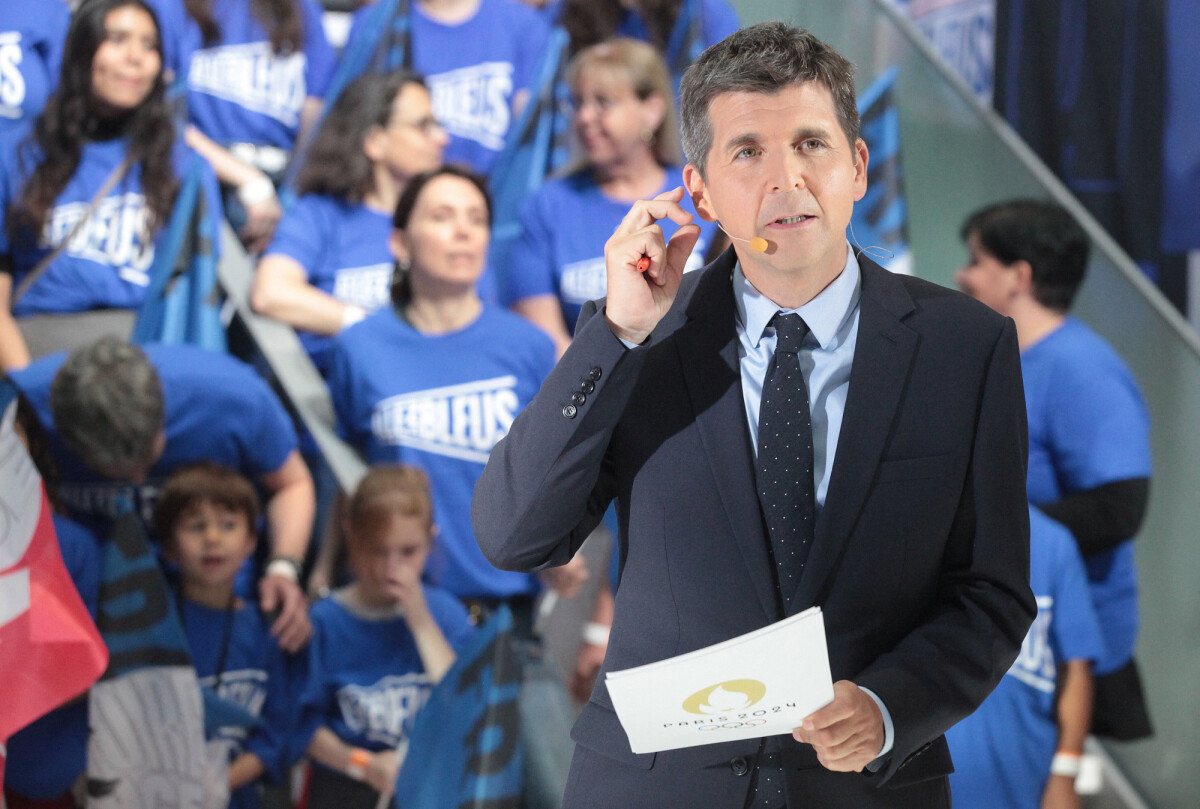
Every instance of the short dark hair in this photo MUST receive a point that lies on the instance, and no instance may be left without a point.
(388, 491)
(335, 163)
(764, 58)
(401, 285)
(202, 482)
(1041, 233)
(107, 403)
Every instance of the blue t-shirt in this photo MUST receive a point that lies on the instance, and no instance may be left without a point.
(107, 264)
(217, 409)
(366, 681)
(254, 678)
(238, 89)
(473, 69)
(564, 226)
(441, 402)
(45, 757)
(1088, 426)
(344, 251)
(1002, 751)
(31, 45)
(717, 21)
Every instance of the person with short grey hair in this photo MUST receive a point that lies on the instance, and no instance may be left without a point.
(107, 403)
(122, 418)
(792, 426)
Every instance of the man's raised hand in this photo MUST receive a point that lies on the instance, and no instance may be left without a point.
(636, 300)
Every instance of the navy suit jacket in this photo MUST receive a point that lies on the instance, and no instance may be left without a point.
(921, 555)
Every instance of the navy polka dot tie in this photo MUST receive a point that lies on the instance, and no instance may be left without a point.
(785, 457)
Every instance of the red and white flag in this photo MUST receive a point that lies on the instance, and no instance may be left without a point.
(50, 651)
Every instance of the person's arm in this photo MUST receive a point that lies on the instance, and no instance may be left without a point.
(255, 189)
(14, 355)
(290, 511)
(281, 290)
(377, 770)
(244, 769)
(1103, 517)
(545, 312)
(1074, 712)
(436, 655)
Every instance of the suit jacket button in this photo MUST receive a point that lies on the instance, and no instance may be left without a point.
(569, 411)
(739, 765)
(587, 386)
(594, 374)
(578, 398)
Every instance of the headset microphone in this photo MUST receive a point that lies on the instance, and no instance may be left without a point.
(758, 244)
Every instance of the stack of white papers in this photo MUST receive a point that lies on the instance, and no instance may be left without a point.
(763, 683)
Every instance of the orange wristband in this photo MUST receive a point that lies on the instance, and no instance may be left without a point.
(356, 767)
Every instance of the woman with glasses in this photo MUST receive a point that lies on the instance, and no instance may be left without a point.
(329, 263)
(624, 123)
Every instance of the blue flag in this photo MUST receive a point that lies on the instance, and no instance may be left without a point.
(880, 218)
(181, 304)
(464, 750)
(536, 145)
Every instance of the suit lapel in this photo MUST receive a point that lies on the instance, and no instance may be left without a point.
(883, 356)
(708, 353)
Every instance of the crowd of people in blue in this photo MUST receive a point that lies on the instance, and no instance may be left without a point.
(370, 217)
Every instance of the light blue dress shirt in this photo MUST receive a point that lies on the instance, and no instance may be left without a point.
(826, 355)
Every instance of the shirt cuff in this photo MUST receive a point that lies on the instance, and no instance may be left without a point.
(889, 732)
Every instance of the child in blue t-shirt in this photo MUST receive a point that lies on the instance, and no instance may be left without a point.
(205, 517)
(380, 644)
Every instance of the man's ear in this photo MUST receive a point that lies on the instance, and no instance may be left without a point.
(699, 193)
(861, 158)
(1024, 271)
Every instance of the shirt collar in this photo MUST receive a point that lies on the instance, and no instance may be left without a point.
(825, 314)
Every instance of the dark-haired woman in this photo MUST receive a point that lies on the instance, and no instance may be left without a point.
(65, 248)
(435, 381)
(254, 72)
(329, 263)
(31, 42)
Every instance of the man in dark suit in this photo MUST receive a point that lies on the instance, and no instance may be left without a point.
(908, 404)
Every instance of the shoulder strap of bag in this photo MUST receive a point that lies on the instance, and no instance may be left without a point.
(110, 182)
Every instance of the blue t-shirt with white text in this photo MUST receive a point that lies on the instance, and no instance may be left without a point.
(473, 70)
(366, 681)
(238, 89)
(343, 249)
(253, 678)
(441, 402)
(31, 45)
(107, 264)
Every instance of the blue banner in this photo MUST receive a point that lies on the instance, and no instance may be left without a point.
(465, 749)
(879, 225)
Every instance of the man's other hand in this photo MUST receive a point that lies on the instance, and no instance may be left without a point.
(847, 733)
